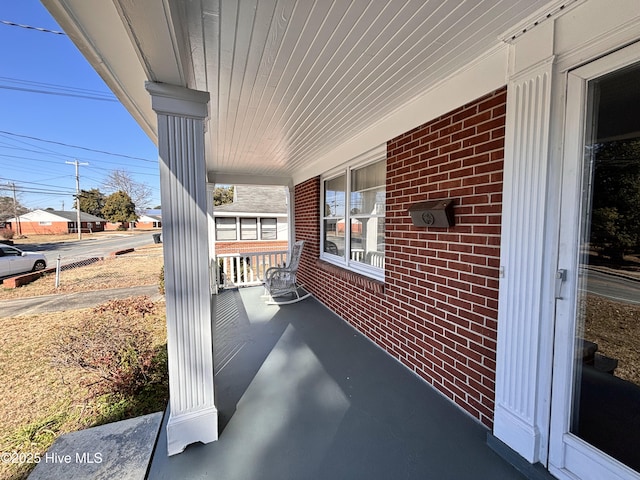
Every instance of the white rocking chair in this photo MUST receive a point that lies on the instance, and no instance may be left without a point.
(281, 281)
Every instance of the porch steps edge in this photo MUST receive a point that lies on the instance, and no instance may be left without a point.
(115, 450)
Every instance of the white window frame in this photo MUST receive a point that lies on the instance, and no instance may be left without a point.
(235, 229)
(344, 261)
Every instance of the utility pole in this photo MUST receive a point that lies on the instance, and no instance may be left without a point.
(15, 210)
(78, 224)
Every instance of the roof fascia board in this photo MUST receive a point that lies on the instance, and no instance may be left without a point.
(109, 50)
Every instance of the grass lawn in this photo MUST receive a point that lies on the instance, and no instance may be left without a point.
(42, 400)
(43, 397)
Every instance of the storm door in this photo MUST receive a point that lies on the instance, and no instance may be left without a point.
(595, 418)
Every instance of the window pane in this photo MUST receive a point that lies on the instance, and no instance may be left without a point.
(371, 176)
(269, 229)
(248, 229)
(367, 241)
(368, 189)
(225, 229)
(367, 208)
(369, 202)
(334, 196)
(334, 236)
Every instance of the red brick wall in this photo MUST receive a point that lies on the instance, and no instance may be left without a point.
(56, 228)
(437, 309)
(34, 228)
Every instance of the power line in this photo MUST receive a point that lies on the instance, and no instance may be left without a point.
(54, 89)
(33, 83)
(155, 175)
(59, 94)
(38, 184)
(29, 27)
(43, 192)
(78, 147)
(51, 152)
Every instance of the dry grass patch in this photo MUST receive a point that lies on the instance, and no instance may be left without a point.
(42, 400)
(131, 270)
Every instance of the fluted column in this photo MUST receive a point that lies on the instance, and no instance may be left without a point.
(523, 268)
(181, 128)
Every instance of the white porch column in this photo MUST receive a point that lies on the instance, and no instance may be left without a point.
(523, 372)
(291, 211)
(213, 271)
(181, 126)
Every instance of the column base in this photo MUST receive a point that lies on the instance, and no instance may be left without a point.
(520, 436)
(183, 430)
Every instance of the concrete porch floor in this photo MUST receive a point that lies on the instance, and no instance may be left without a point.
(302, 395)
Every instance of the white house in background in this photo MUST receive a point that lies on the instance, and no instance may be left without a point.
(515, 110)
(148, 221)
(151, 219)
(256, 220)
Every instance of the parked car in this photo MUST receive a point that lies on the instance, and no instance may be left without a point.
(14, 261)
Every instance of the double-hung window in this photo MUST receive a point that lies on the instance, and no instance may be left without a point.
(353, 218)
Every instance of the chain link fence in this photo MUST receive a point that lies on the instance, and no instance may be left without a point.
(96, 273)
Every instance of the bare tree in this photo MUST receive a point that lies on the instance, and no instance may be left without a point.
(10, 204)
(122, 181)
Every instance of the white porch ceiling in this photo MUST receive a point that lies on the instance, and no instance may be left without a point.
(290, 80)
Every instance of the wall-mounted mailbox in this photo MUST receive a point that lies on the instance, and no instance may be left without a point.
(434, 213)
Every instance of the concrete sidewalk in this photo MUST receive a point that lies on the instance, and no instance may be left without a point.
(71, 301)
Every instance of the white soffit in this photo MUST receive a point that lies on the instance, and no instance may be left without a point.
(290, 80)
(296, 79)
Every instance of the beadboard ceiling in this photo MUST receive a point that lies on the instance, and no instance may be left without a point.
(290, 80)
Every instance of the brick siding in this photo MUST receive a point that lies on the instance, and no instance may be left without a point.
(437, 309)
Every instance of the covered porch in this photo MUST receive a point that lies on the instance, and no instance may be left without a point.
(366, 110)
(303, 395)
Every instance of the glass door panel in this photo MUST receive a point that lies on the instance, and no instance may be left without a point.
(595, 418)
(606, 401)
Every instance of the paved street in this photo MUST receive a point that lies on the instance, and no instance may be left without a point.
(74, 250)
(70, 301)
(614, 287)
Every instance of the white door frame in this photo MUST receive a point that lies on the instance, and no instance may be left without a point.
(569, 456)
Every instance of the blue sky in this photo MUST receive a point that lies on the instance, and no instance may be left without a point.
(38, 131)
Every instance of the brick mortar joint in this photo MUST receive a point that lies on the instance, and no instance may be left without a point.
(353, 278)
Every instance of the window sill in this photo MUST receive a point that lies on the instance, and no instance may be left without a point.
(353, 278)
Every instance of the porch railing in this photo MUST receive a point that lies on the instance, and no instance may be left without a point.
(373, 258)
(243, 269)
(246, 269)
